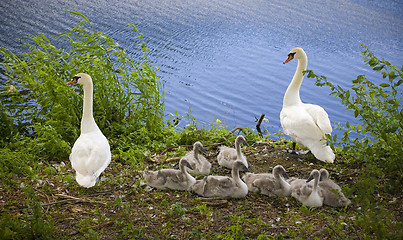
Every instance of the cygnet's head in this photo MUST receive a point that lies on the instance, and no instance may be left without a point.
(314, 175)
(277, 170)
(198, 147)
(324, 174)
(184, 162)
(241, 140)
(240, 166)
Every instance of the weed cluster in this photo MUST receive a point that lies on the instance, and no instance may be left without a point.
(128, 94)
(378, 147)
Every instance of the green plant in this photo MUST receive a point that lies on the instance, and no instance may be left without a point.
(39, 228)
(128, 94)
(378, 147)
(377, 105)
(30, 225)
(10, 227)
(234, 231)
(15, 164)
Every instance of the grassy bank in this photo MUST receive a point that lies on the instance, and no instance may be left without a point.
(49, 204)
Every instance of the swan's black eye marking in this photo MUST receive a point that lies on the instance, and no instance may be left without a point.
(292, 54)
(75, 78)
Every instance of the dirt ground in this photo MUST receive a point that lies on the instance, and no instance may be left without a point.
(121, 206)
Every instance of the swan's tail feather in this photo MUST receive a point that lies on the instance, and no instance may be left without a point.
(323, 153)
(85, 180)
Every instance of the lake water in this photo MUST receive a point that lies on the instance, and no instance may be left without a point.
(224, 58)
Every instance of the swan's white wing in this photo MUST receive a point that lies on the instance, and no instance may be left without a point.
(320, 117)
(90, 154)
(299, 124)
(80, 153)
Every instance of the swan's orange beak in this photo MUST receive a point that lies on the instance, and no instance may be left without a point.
(289, 58)
(72, 81)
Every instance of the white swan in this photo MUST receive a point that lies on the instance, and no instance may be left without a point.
(309, 195)
(272, 185)
(223, 186)
(306, 124)
(228, 156)
(198, 162)
(331, 191)
(91, 153)
(171, 178)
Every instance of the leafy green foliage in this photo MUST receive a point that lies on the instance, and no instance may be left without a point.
(378, 147)
(32, 225)
(13, 163)
(377, 105)
(128, 94)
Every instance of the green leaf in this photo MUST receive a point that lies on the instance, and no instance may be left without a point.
(79, 14)
(378, 68)
(384, 85)
(373, 62)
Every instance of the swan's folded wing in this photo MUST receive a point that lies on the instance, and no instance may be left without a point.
(320, 117)
(227, 183)
(266, 184)
(174, 176)
(227, 153)
(301, 126)
(91, 153)
(80, 156)
(218, 184)
(155, 178)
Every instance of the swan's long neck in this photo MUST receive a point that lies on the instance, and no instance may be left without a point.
(238, 150)
(184, 171)
(291, 96)
(87, 122)
(235, 176)
(196, 155)
(315, 185)
(284, 184)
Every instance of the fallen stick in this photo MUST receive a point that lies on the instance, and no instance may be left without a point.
(258, 124)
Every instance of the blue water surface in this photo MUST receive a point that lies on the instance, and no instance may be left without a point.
(223, 59)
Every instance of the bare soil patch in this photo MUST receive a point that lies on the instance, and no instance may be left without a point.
(121, 206)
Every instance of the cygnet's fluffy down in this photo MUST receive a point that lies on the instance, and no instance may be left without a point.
(200, 165)
(227, 156)
(270, 184)
(332, 194)
(306, 193)
(171, 178)
(223, 186)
